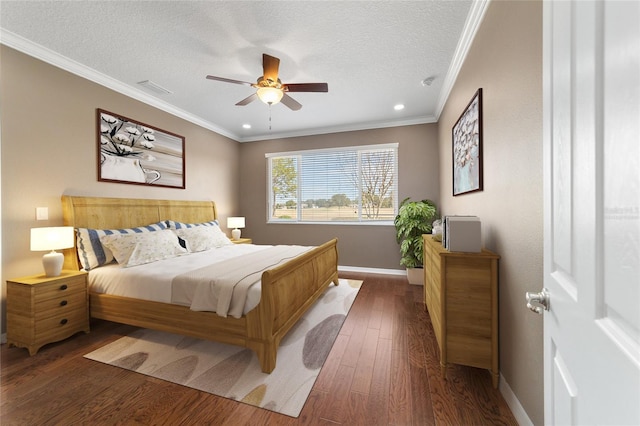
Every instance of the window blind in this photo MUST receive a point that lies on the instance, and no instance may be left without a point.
(344, 185)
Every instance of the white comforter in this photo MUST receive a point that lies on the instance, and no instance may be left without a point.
(223, 286)
(153, 281)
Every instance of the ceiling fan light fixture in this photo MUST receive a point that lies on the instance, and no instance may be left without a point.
(270, 95)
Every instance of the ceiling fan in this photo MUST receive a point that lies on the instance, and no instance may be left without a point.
(270, 89)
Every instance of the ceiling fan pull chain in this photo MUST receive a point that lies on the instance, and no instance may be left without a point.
(269, 116)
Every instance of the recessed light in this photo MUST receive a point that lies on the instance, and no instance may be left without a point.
(398, 107)
(246, 126)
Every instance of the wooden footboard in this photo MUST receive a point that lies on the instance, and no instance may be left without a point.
(287, 290)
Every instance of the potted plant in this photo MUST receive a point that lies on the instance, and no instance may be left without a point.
(414, 219)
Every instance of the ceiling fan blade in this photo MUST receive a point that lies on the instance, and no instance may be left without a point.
(270, 65)
(228, 80)
(307, 87)
(248, 100)
(290, 102)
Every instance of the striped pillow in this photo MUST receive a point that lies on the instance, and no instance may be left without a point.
(172, 224)
(92, 253)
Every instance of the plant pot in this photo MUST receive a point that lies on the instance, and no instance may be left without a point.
(415, 276)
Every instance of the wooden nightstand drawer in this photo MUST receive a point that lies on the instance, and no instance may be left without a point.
(26, 298)
(61, 326)
(42, 310)
(58, 290)
(60, 305)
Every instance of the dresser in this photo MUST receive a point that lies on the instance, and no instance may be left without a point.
(42, 309)
(461, 295)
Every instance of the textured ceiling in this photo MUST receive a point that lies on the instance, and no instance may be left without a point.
(372, 54)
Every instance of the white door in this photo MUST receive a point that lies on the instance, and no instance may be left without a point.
(591, 69)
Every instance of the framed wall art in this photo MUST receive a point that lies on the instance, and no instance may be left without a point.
(467, 148)
(136, 153)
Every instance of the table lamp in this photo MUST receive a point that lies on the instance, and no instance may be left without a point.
(52, 238)
(235, 222)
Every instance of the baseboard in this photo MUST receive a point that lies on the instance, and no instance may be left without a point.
(514, 404)
(378, 271)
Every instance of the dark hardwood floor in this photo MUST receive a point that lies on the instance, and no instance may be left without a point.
(383, 370)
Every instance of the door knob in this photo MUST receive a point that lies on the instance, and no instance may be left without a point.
(541, 299)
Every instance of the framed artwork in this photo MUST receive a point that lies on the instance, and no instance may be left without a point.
(467, 148)
(139, 154)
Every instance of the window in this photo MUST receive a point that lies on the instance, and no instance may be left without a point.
(344, 185)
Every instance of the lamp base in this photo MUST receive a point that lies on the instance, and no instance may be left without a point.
(235, 234)
(52, 263)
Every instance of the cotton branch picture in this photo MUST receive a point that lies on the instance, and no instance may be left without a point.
(136, 153)
(467, 148)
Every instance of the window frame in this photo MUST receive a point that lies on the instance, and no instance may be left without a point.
(298, 216)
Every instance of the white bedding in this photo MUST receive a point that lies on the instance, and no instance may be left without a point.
(223, 286)
(153, 281)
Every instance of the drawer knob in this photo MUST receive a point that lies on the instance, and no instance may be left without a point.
(63, 321)
(63, 303)
(63, 287)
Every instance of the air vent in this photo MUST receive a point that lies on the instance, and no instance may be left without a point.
(427, 81)
(150, 85)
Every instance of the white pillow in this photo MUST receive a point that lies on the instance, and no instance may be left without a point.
(93, 254)
(137, 249)
(200, 238)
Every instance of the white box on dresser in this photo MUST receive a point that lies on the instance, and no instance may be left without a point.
(463, 234)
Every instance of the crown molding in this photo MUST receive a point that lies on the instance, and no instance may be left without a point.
(474, 19)
(49, 56)
(340, 129)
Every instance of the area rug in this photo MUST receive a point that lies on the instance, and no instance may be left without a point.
(234, 372)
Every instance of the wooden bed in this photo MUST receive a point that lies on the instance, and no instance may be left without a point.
(287, 290)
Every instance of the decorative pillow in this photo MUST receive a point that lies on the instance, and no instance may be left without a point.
(200, 238)
(172, 224)
(93, 254)
(137, 249)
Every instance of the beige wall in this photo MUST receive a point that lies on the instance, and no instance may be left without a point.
(506, 62)
(49, 149)
(366, 246)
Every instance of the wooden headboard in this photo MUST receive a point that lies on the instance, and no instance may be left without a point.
(118, 213)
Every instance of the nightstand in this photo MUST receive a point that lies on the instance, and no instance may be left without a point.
(43, 309)
(242, 241)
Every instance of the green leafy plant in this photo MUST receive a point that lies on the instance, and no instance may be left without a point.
(414, 219)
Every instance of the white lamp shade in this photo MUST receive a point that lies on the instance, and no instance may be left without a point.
(53, 238)
(235, 222)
